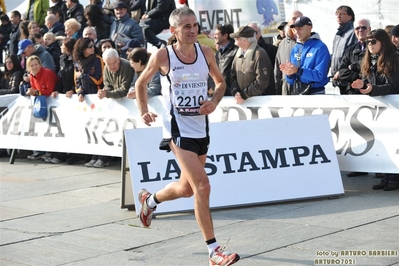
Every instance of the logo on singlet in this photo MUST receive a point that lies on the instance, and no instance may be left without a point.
(177, 68)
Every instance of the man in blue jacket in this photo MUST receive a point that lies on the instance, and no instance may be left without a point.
(309, 59)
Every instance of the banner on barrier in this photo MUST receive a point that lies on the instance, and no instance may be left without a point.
(364, 129)
(247, 163)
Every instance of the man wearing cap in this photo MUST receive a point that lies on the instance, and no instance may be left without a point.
(309, 60)
(283, 55)
(26, 48)
(109, 5)
(251, 69)
(271, 51)
(125, 26)
(395, 37)
(281, 29)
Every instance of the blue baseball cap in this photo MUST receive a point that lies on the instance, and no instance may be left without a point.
(302, 21)
(22, 46)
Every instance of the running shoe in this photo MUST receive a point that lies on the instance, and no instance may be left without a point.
(223, 258)
(145, 212)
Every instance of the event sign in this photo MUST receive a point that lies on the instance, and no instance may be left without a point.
(249, 162)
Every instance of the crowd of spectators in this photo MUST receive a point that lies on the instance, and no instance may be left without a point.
(71, 40)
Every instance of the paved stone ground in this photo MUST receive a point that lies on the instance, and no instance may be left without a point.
(71, 215)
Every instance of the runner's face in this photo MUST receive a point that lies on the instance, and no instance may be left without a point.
(187, 31)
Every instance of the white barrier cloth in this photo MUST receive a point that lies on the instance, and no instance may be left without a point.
(249, 162)
(365, 129)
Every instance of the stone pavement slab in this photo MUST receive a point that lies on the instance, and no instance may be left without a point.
(70, 215)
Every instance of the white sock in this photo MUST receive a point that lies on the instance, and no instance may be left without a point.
(151, 202)
(212, 247)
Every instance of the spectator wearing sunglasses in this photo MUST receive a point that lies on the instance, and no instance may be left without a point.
(380, 76)
(349, 69)
(380, 66)
(88, 68)
(344, 38)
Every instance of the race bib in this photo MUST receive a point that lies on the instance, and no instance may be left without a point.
(189, 94)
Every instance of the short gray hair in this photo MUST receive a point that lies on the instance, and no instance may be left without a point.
(89, 28)
(51, 18)
(251, 39)
(110, 53)
(256, 24)
(363, 19)
(178, 13)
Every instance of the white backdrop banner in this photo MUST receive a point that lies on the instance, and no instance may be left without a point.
(247, 163)
(268, 13)
(364, 129)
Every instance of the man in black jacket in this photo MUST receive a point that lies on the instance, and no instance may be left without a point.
(54, 26)
(157, 19)
(5, 30)
(15, 19)
(395, 37)
(226, 50)
(76, 11)
(61, 6)
(349, 69)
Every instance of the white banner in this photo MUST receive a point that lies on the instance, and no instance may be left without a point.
(268, 13)
(7, 101)
(249, 162)
(365, 129)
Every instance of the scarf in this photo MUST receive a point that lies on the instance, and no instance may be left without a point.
(86, 61)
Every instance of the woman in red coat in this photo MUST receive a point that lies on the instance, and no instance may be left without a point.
(42, 80)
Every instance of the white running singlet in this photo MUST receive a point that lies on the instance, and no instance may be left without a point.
(183, 87)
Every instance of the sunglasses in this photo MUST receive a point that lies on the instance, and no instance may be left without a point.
(371, 41)
(362, 27)
(90, 45)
